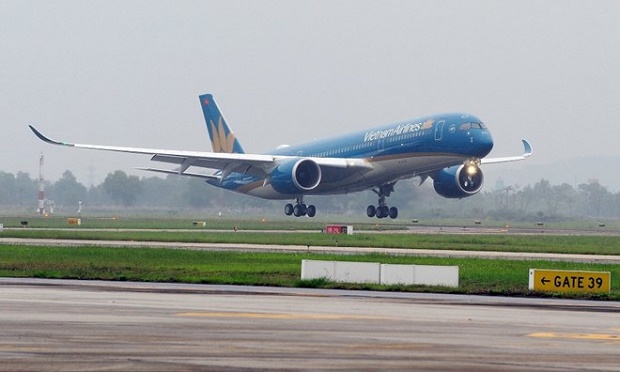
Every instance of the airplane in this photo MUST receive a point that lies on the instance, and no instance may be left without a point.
(449, 148)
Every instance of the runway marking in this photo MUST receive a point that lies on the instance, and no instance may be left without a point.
(13, 348)
(577, 336)
(214, 314)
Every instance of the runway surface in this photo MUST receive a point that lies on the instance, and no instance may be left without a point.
(89, 325)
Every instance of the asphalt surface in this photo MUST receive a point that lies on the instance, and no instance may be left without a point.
(63, 325)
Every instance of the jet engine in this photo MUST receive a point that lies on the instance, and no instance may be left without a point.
(296, 176)
(458, 181)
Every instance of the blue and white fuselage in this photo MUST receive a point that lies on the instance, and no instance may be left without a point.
(392, 152)
(449, 148)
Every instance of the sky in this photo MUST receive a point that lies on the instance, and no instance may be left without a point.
(284, 72)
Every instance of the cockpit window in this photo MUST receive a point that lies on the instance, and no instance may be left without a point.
(468, 126)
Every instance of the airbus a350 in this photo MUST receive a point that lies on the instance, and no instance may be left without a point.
(448, 148)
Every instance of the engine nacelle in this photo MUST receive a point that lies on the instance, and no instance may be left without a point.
(459, 181)
(295, 176)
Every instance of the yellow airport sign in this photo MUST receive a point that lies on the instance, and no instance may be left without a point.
(570, 281)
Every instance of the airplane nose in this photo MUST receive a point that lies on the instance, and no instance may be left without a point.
(483, 144)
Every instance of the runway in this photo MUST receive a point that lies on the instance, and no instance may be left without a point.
(89, 325)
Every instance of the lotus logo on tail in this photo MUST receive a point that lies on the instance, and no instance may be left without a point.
(221, 141)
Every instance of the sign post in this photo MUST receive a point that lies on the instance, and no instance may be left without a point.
(570, 281)
(339, 229)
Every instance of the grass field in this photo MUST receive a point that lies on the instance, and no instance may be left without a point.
(477, 276)
(183, 223)
(608, 245)
(284, 223)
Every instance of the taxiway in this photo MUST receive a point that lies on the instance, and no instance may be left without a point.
(90, 325)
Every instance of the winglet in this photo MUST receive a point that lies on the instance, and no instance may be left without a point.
(527, 148)
(46, 139)
(527, 152)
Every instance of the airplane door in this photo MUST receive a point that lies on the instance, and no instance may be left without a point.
(439, 130)
(380, 144)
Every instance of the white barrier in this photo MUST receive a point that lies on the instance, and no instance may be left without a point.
(311, 269)
(357, 272)
(341, 271)
(397, 274)
(447, 276)
(370, 272)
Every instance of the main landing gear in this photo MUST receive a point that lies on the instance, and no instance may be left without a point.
(300, 209)
(382, 210)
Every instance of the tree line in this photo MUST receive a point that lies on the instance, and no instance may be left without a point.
(541, 201)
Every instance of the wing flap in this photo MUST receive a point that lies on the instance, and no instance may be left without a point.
(189, 174)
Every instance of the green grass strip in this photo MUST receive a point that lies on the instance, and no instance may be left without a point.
(477, 276)
(601, 245)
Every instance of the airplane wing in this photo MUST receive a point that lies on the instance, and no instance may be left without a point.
(527, 152)
(253, 164)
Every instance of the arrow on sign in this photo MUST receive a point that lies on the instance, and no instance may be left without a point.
(544, 280)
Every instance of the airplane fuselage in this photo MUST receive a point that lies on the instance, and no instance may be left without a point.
(395, 151)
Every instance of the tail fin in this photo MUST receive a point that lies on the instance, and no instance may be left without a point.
(222, 138)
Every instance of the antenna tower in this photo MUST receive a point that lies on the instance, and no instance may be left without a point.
(41, 201)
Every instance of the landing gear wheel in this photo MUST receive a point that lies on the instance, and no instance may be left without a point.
(382, 211)
(393, 212)
(371, 211)
(299, 210)
(311, 210)
(288, 209)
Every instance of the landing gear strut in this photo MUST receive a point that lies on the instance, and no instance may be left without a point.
(382, 210)
(300, 209)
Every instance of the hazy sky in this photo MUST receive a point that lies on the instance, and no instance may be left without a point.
(129, 73)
